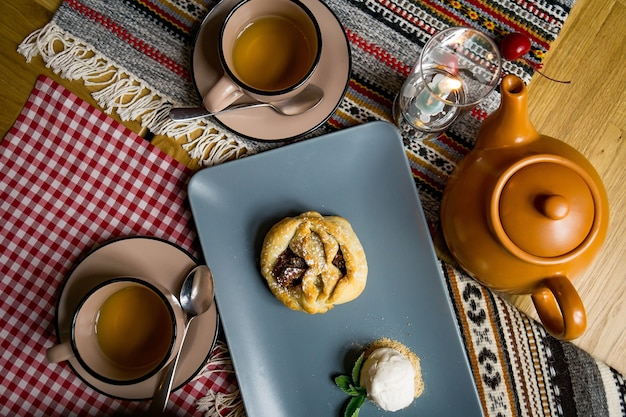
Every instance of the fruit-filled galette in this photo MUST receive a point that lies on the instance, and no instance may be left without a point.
(313, 262)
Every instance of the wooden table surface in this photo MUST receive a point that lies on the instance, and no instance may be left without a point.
(589, 114)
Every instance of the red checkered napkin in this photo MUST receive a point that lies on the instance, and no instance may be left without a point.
(70, 178)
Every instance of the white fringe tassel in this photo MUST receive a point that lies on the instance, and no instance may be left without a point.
(216, 403)
(119, 91)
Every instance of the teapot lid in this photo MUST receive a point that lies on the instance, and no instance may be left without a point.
(543, 206)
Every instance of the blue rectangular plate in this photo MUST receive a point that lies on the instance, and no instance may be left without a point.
(286, 360)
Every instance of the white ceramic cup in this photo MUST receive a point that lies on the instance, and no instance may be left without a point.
(155, 324)
(268, 50)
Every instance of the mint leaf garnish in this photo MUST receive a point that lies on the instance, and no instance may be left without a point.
(351, 386)
(345, 383)
(356, 371)
(353, 407)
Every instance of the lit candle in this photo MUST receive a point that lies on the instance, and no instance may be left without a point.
(429, 102)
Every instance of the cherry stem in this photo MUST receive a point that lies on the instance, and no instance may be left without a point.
(552, 79)
(536, 68)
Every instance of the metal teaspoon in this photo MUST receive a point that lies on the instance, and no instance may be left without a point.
(310, 97)
(196, 297)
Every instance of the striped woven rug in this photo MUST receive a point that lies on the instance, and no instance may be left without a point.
(134, 55)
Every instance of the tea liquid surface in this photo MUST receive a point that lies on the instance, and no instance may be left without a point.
(272, 54)
(134, 328)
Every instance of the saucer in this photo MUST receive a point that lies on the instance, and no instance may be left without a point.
(332, 76)
(142, 257)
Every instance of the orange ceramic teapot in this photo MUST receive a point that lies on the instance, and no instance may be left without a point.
(524, 213)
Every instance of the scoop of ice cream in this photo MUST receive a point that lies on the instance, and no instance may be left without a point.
(389, 379)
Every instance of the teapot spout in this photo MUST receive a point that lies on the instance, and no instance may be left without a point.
(509, 125)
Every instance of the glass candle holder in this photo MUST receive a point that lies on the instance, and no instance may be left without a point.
(457, 68)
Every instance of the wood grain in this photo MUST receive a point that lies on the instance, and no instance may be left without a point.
(18, 19)
(589, 114)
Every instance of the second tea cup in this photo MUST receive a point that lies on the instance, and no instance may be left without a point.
(268, 50)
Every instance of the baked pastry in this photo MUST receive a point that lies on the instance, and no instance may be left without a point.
(313, 262)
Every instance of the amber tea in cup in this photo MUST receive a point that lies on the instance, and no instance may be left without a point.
(133, 328)
(272, 53)
(124, 331)
(268, 51)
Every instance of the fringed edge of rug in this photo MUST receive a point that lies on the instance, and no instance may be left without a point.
(117, 90)
(229, 404)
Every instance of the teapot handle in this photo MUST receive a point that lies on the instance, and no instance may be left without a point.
(560, 308)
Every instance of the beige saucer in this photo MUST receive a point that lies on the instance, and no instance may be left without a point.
(332, 75)
(142, 257)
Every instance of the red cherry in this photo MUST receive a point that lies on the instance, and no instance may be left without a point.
(515, 45)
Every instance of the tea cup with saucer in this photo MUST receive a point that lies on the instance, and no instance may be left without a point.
(124, 331)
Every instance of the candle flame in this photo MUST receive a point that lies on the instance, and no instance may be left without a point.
(448, 85)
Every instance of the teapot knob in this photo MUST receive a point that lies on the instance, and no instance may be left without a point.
(555, 207)
(538, 220)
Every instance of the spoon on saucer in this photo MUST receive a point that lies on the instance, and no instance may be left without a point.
(310, 97)
(196, 297)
